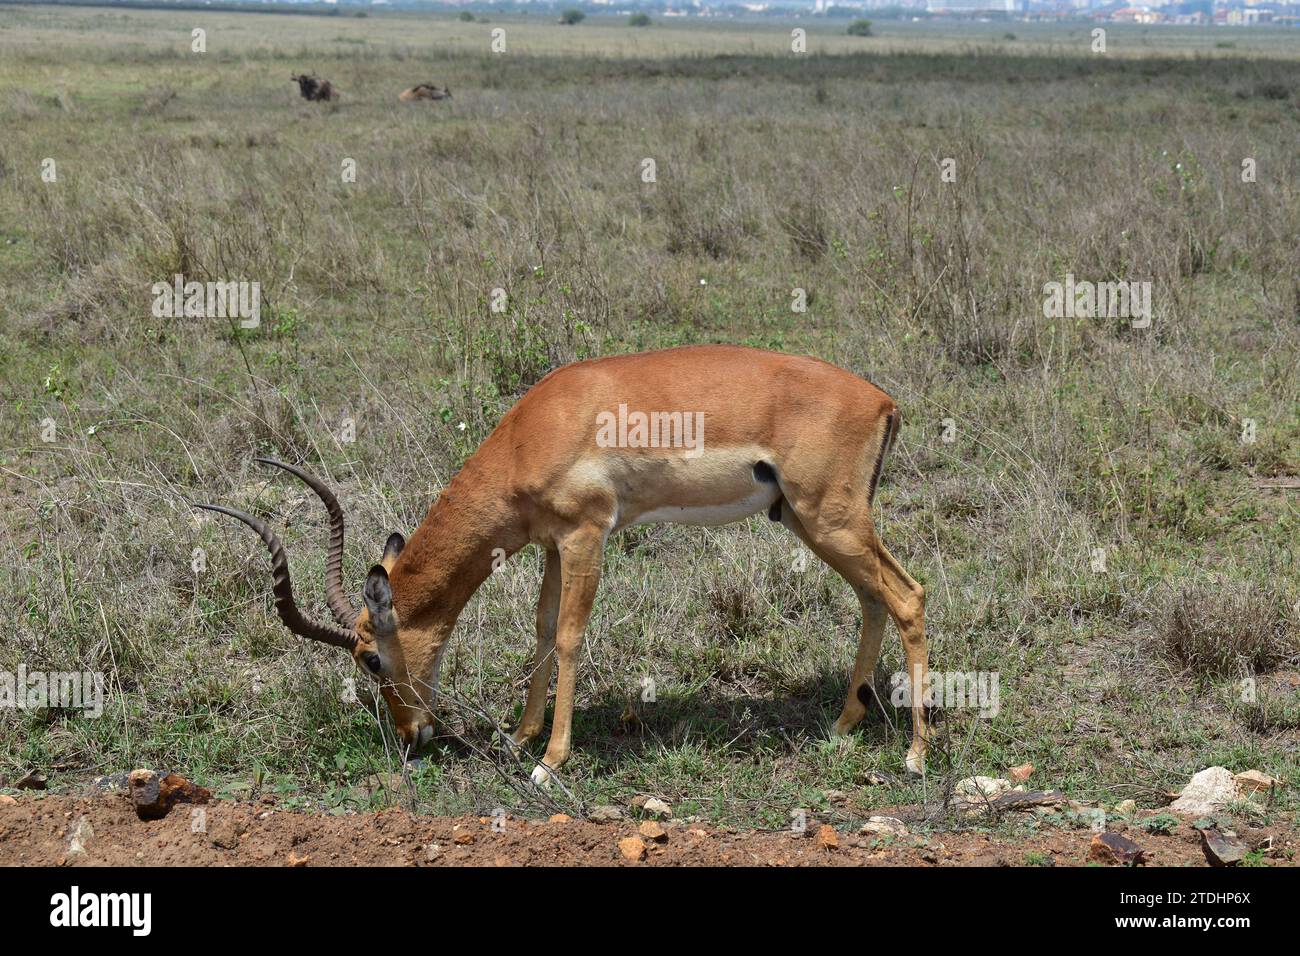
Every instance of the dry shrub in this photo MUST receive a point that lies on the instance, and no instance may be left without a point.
(1228, 631)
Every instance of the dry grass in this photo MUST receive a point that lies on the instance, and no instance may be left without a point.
(774, 173)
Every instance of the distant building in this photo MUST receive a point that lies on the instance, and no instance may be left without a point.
(1136, 15)
(976, 6)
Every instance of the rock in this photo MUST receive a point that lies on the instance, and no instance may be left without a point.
(1222, 847)
(884, 826)
(1207, 792)
(82, 834)
(1126, 808)
(560, 818)
(980, 790)
(6, 800)
(296, 860)
(827, 838)
(874, 779)
(462, 837)
(1112, 848)
(35, 780)
(154, 795)
(657, 808)
(1252, 781)
(605, 814)
(632, 849)
(1028, 799)
(225, 836)
(653, 830)
(835, 796)
(1020, 774)
(110, 783)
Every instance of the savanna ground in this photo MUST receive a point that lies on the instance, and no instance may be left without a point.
(775, 171)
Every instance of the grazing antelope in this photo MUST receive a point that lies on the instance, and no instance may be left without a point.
(697, 435)
(425, 91)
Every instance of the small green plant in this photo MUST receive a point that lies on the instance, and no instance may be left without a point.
(639, 20)
(1039, 858)
(859, 28)
(1161, 824)
(465, 16)
(55, 383)
(570, 17)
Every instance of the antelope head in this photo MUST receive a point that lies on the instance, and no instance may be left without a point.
(403, 661)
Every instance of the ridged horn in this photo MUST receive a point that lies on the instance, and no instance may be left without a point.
(338, 602)
(281, 587)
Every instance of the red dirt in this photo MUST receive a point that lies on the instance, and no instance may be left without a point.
(38, 830)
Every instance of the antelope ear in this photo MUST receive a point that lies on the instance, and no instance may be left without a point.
(391, 550)
(378, 595)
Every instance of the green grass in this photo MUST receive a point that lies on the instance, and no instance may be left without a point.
(775, 172)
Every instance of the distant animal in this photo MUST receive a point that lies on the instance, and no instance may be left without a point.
(314, 89)
(425, 91)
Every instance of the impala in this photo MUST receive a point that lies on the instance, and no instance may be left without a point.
(601, 445)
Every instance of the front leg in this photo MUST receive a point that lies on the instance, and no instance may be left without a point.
(580, 556)
(548, 612)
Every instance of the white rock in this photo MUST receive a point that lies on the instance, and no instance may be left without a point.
(657, 808)
(1209, 791)
(884, 826)
(980, 789)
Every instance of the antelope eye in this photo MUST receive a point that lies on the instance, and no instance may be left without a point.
(372, 661)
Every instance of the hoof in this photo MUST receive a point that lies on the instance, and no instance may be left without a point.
(916, 764)
(542, 776)
(843, 728)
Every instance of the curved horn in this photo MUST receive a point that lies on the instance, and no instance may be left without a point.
(335, 597)
(284, 605)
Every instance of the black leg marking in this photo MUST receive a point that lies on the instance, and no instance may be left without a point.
(885, 441)
(774, 512)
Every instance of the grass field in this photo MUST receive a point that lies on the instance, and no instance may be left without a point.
(1028, 442)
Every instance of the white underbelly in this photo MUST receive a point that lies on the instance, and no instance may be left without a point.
(760, 499)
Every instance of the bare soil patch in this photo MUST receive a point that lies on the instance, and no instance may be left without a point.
(46, 830)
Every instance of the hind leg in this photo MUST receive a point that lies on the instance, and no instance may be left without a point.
(874, 613)
(844, 537)
(906, 601)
